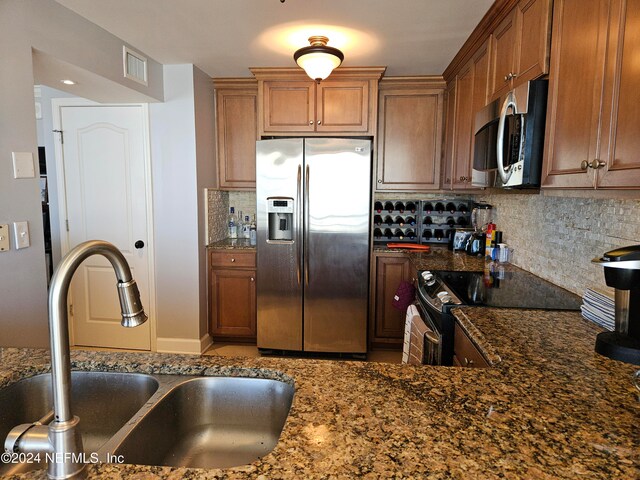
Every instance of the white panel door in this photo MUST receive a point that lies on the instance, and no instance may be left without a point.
(105, 185)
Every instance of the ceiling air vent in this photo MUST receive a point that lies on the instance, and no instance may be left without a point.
(135, 65)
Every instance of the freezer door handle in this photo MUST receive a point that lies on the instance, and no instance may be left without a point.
(298, 227)
(306, 226)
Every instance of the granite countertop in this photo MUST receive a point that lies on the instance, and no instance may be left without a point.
(550, 408)
(232, 244)
(438, 258)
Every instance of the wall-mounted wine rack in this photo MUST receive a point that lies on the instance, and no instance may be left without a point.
(419, 221)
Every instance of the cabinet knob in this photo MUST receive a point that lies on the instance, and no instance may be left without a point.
(510, 76)
(319, 122)
(448, 180)
(310, 122)
(584, 165)
(596, 164)
(252, 279)
(233, 260)
(379, 181)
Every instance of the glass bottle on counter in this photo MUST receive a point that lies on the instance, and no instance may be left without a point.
(246, 227)
(231, 231)
(239, 225)
(253, 232)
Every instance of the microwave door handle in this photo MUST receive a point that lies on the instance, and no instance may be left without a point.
(509, 102)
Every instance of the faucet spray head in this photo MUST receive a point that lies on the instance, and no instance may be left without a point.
(132, 311)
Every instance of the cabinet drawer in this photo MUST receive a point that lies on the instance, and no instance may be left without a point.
(232, 259)
(465, 351)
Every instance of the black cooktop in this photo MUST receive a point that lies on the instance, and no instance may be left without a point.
(503, 289)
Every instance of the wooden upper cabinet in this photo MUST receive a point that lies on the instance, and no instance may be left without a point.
(236, 132)
(409, 134)
(290, 103)
(288, 106)
(469, 89)
(621, 136)
(503, 51)
(449, 135)
(520, 46)
(593, 108)
(343, 106)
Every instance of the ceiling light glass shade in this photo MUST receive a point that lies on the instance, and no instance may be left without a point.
(318, 60)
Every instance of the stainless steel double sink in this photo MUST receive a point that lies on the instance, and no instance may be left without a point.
(170, 420)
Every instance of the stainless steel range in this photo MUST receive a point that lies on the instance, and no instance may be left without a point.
(440, 291)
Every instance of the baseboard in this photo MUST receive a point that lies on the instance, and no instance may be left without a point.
(184, 345)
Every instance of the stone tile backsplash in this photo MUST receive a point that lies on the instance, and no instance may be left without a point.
(556, 237)
(217, 208)
(552, 237)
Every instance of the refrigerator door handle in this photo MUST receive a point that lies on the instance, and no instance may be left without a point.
(306, 226)
(299, 226)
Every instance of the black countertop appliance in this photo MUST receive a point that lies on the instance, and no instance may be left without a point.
(622, 272)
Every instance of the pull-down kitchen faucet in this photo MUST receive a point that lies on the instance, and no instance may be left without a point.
(61, 440)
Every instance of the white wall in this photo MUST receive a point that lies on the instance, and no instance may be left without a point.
(48, 27)
(46, 140)
(182, 162)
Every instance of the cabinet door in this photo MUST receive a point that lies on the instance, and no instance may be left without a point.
(388, 325)
(233, 304)
(343, 106)
(534, 22)
(236, 134)
(461, 171)
(289, 106)
(622, 100)
(449, 136)
(465, 352)
(409, 140)
(575, 91)
(502, 55)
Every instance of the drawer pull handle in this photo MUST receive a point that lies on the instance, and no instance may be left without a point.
(252, 279)
(233, 259)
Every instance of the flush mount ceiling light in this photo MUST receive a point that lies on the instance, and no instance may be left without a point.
(68, 82)
(318, 60)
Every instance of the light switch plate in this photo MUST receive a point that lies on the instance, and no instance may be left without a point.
(4, 238)
(23, 165)
(21, 234)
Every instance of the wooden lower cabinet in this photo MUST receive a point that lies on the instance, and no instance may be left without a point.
(386, 325)
(465, 353)
(232, 296)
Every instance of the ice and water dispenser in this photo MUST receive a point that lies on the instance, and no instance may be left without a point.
(280, 218)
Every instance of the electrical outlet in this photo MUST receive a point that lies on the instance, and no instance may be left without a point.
(4, 238)
(21, 234)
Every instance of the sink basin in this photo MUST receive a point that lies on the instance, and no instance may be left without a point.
(104, 401)
(210, 422)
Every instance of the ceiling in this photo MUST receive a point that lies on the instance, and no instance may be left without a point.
(226, 37)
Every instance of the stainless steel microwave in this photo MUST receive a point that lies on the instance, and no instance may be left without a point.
(509, 139)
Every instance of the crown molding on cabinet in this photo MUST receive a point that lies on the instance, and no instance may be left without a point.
(498, 11)
(296, 73)
(409, 82)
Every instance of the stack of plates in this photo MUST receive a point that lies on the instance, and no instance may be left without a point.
(598, 308)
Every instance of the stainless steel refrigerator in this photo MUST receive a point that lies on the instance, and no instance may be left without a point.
(313, 200)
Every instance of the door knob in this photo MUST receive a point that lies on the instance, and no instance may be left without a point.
(139, 244)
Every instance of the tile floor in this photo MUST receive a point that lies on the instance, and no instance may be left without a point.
(238, 350)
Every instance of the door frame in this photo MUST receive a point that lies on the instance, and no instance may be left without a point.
(57, 104)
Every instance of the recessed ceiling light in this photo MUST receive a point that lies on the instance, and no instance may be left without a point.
(68, 82)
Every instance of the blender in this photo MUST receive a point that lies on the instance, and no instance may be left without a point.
(481, 216)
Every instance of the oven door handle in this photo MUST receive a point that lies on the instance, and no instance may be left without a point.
(432, 337)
